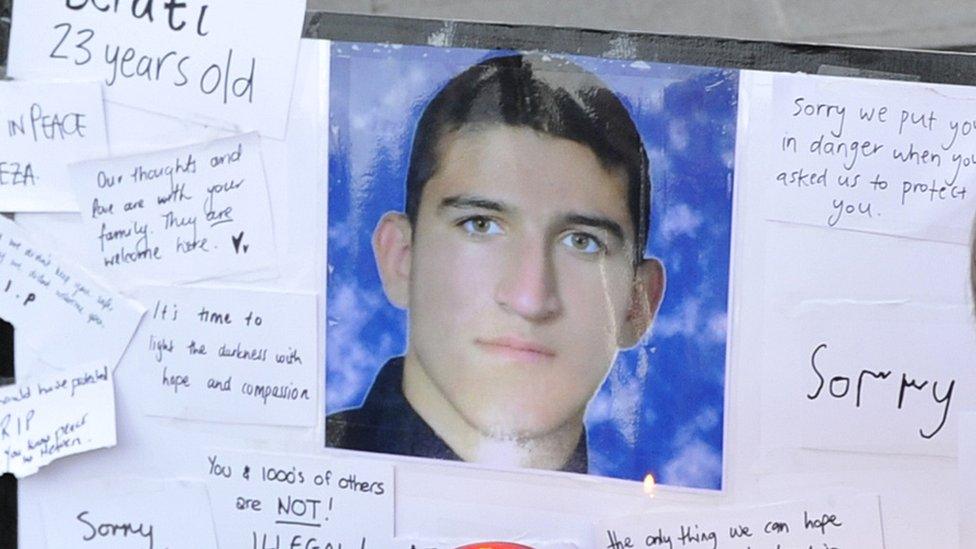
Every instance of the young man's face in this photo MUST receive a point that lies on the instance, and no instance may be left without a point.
(519, 279)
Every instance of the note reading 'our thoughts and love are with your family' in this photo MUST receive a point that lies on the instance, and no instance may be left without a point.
(179, 215)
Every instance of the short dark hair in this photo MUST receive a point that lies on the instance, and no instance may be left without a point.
(550, 95)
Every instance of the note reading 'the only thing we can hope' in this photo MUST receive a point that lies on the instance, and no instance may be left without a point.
(179, 215)
(833, 522)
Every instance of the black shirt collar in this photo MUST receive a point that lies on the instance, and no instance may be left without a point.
(387, 423)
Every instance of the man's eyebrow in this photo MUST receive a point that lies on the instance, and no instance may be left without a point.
(467, 202)
(604, 223)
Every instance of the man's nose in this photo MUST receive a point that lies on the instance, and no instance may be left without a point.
(529, 286)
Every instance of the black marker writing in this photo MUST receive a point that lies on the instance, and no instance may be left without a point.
(839, 386)
(176, 12)
(114, 529)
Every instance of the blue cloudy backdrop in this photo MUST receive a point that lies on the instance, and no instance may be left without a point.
(661, 408)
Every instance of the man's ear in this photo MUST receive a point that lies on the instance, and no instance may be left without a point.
(646, 295)
(392, 242)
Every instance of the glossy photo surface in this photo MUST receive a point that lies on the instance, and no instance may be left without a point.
(515, 291)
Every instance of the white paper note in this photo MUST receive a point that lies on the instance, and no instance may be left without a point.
(967, 479)
(231, 61)
(885, 378)
(179, 215)
(66, 316)
(50, 417)
(265, 500)
(132, 513)
(44, 127)
(227, 355)
(852, 522)
(847, 153)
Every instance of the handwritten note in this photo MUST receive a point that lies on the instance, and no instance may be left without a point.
(129, 512)
(265, 500)
(62, 313)
(220, 60)
(836, 523)
(885, 157)
(43, 127)
(874, 377)
(179, 215)
(51, 417)
(228, 355)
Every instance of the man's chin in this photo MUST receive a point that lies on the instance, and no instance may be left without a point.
(518, 430)
(502, 453)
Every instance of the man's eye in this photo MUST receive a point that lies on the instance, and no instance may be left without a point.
(584, 243)
(481, 226)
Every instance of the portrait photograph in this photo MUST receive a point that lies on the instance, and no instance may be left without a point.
(528, 259)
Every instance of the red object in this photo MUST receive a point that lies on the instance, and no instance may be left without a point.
(494, 545)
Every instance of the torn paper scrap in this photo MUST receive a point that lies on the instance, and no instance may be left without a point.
(50, 417)
(64, 314)
(45, 127)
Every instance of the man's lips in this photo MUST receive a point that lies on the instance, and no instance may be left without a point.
(516, 348)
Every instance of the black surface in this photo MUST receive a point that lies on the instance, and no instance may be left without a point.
(5, 7)
(942, 67)
(8, 484)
